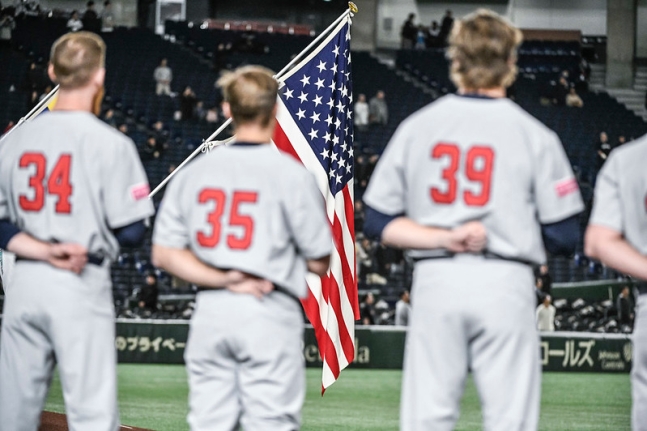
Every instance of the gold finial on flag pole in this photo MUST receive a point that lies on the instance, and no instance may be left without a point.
(353, 7)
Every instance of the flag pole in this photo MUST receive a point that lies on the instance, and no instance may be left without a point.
(33, 111)
(350, 11)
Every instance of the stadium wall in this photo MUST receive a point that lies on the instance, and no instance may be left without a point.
(379, 347)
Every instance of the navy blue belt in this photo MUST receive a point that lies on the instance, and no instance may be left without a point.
(93, 259)
(487, 255)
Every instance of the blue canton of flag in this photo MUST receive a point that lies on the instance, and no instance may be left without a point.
(320, 98)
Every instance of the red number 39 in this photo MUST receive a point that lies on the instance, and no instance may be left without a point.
(235, 219)
(482, 175)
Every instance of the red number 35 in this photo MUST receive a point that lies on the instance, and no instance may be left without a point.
(235, 218)
(483, 176)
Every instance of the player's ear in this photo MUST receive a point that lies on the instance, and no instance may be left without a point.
(226, 109)
(50, 72)
(99, 77)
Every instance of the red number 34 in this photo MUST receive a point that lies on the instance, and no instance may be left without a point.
(58, 183)
(235, 218)
(482, 175)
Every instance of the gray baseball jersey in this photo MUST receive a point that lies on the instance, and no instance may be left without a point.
(621, 204)
(462, 159)
(251, 208)
(67, 177)
(457, 160)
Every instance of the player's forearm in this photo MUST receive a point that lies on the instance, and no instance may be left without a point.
(28, 247)
(609, 247)
(185, 265)
(402, 232)
(319, 266)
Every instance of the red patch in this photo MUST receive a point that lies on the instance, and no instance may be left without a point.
(566, 187)
(140, 191)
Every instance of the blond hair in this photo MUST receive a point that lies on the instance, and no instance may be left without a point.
(75, 58)
(483, 51)
(251, 93)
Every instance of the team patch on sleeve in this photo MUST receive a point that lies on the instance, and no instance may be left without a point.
(140, 191)
(566, 187)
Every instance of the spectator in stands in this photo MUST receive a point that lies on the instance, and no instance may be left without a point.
(379, 111)
(446, 26)
(109, 118)
(160, 132)
(90, 13)
(7, 25)
(361, 113)
(621, 141)
(359, 215)
(149, 294)
(107, 17)
(364, 261)
(561, 91)
(604, 148)
(212, 115)
(625, 307)
(546, 279)
(188, 103)
(433, 36)
(163, 76)
(200, 112)
(367, 309)
(152, 149)
(546, 315)
(409, 32)
(33, 99)
(402, 309)
(35, 77)
(421, 37)
(74, 23)
(573, 100)
(123, 128)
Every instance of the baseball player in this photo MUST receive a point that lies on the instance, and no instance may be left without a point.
(472, 183)
(244, 222)
(72, 189)
(617, 236)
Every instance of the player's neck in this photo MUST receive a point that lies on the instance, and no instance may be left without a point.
(78, 99)
(494, 93)
(254, 133)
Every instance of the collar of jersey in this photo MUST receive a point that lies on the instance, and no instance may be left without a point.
(246, 144)
(476, 96)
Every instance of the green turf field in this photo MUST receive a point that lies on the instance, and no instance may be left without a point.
(154, 396)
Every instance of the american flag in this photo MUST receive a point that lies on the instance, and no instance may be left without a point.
(315, 125)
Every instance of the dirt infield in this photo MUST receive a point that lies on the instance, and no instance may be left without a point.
(50, 421)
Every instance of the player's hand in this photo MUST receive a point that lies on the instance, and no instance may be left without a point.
(476, 236)
(470, 237)
(67, 256)
(239, 282)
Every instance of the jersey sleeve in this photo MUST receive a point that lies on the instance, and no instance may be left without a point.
(607, 207)
(126, 188)
(557, 193)
(307, 219)
(171, 227)
(386, 191)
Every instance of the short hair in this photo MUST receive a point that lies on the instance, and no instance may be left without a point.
(76, 57)
(483, 51)
(251, 93)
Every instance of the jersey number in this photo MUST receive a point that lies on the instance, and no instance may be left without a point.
(58, 183)
(481, 175)
(235, 218)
